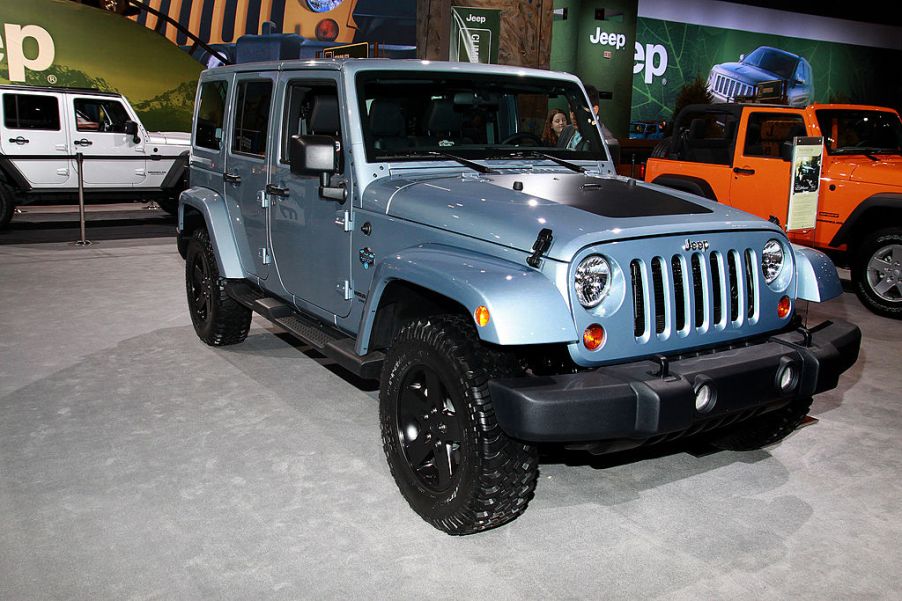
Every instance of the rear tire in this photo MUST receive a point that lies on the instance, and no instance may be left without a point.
(763, 430)
(877, 272)
(218, 319)
(445, 449)
(7, 205)
(661, 149)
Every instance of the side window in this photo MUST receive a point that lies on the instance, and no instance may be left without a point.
(24, 111)
(767, 132)
(252, 117)
(210, 115)
(310, 109)
(100, 115)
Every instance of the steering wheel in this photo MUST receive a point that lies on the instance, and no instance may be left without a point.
(525, 136)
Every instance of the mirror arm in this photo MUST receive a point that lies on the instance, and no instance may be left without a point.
(339, 193)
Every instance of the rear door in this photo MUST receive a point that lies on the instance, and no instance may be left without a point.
(32, 125)
(761, 176)
(113, 159)
(245, 172)
(311, 237)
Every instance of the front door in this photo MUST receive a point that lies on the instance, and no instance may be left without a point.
(32, 126)
(761, 175)
(245, 173)
(113, 159)
(310, 234)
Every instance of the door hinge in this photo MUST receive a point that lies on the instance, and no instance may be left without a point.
(344, 289)
(344, 221)
(265, 257)
(263, 198)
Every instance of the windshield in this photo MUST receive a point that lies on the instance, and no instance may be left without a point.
(784, 65)
(860, 131)
(431, 116)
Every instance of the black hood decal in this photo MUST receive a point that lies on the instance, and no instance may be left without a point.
(607, 197)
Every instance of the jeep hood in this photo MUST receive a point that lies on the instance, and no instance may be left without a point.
(746, 73)
(886, 171)
(176, 138)
(511, 209)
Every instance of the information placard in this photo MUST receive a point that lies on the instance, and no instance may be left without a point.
(475, 34)
(807, 153)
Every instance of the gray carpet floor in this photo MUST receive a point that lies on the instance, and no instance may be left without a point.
(138, 463)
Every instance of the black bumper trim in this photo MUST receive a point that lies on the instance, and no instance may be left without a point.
(631, 401)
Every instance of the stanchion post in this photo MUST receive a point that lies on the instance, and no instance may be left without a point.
(80, 161)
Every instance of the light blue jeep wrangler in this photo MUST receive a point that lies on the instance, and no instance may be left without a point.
(408, 220)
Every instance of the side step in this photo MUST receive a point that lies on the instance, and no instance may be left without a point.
(331, 342)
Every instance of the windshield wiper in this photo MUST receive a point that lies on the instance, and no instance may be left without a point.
(542, 155)
(435, 153)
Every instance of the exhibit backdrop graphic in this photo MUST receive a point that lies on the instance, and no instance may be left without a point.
(475, 34)
(62, 43)
(669, 54)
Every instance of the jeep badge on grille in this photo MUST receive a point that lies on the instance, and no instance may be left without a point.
(695, 245)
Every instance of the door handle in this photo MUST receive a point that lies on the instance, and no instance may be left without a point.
(276, 190)
(742, 171)
(20, 140)
(83, 142)
(232, 178)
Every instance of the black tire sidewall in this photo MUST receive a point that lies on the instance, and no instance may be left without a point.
(7, 205)
(404, 356)
(199, 250)
(862, 257)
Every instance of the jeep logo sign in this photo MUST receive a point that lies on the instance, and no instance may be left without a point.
(617, 40)
(695, 245)
(647, 57)
(12, 48)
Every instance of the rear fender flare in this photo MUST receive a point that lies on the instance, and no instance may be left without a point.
(212, 208)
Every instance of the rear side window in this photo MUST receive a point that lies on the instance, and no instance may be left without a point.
(100, 115)
(210, 115)
(252, 117)
(25, 111)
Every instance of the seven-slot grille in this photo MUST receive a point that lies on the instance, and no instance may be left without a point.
(730, 88)
(693, 293)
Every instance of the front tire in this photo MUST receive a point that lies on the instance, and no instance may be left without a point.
(877, 272)
(445, 449)
(765, 429)
(218, 319)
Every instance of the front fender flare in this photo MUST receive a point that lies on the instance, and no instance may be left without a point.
(816, 275)
(525, 306)
(212, 208)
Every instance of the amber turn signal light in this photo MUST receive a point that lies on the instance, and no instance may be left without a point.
(482, 316)
(783, 307)
(593, 337)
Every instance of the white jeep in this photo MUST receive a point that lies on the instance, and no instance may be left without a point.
(43, 129)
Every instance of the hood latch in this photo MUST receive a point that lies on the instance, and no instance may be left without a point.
(540, 247)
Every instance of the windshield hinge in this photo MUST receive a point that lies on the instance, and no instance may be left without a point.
(540, 247)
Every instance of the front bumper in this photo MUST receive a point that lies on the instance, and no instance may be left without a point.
(635, 401)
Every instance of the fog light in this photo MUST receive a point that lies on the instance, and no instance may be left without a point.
(705, 395)
(786, 379)
(784, 307)
(593, 337)
(482, 316)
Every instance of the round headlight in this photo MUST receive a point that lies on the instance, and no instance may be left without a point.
(772, 260)
(593, 280)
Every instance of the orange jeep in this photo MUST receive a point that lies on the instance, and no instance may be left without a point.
(740, 155)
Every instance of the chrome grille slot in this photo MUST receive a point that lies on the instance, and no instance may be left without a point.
(750, 288)
(638, 298)
(657, 278)
(716, 290)
(680, 295)
(735, 282)
(698, 290)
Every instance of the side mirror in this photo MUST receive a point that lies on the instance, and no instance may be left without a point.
(316, 155)
(312, 155)
(131, 128)
(786, 151)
